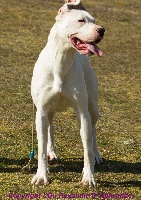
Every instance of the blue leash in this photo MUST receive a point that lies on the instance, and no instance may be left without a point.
(31, 155)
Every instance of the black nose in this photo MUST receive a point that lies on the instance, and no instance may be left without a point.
(100, 31)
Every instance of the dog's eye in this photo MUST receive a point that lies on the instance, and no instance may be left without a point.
(81, 20)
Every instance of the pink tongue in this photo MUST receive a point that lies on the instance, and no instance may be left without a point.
(95, 49)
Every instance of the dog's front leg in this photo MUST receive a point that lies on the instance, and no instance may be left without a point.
(87, 140)
(41, 127)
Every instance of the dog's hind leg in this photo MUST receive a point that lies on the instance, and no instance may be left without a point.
(98, 159)
(93, 109)
(50, 145)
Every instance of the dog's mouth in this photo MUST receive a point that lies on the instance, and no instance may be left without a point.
(86, 48)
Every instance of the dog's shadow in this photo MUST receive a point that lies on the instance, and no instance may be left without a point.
(76, 165)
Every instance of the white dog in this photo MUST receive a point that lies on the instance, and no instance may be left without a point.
(62, 77)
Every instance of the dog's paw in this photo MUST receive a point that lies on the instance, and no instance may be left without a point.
(52, 156)
(98, 159)
(88, 180)
(40, 179)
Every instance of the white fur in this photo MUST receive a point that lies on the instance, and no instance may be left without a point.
(61, 78)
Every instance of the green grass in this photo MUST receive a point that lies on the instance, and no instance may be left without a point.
(25, 27)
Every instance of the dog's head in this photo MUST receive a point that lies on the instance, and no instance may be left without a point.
(80, 28)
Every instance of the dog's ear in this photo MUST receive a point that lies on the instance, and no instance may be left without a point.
(75, 4)
(69, 5)
(61, 13)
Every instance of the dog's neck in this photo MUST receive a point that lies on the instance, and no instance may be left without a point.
(63, 55)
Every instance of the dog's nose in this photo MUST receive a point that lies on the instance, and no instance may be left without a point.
(100, 31)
